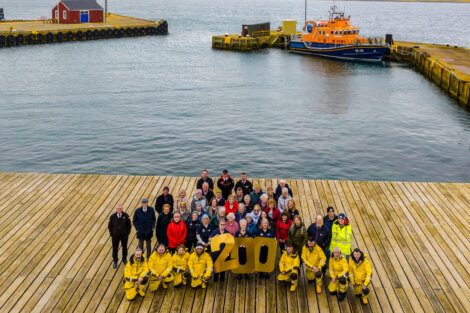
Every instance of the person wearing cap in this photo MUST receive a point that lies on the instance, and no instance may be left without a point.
(225, 184)
(282, 184)
(200, 267)
(338, 269)
(163, 220)
(207, 192)
(160, 267)
(289, 267)
(341, 235)
(164, 198)
(204, 231)
(314, 259)
(360, 272)
(144, 222)
(205, 179)
(320, 234)
(198, 198)
(244, 184)
(176, 232)
(180, 266)
(119, 227)
(135, 275)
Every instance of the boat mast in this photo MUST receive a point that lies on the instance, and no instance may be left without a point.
(305, 13)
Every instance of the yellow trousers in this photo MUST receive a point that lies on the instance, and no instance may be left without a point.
(155, 282)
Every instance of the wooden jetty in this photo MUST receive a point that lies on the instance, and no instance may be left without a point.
(55, 250)
(32, 32)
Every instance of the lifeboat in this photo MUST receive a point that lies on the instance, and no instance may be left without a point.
(336, 38)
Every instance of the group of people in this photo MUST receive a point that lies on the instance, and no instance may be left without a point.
(185, 226)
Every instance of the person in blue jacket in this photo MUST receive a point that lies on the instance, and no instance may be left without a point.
(144, 222)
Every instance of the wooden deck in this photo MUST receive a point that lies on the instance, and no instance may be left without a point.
(55, 251)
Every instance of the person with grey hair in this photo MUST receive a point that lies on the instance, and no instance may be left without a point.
(232, 225)
(283, 200)
(198, 197)
(207, 192)
(119, 227)
(203, 231)
(282, 184)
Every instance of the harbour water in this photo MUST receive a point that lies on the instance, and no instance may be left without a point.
(171, 105)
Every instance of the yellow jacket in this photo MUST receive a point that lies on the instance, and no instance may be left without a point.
(134, 270)
(360, 273)
(316, 257)
(338, 267)
(289, 262)
(160, 264)
(341, 238)
(200, 265)
(180, 262)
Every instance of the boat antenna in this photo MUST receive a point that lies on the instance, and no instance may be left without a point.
(305, 12)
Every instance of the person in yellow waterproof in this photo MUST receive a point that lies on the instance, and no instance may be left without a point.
(180, 266)
(135, 275)
(289, 267)
(314, 259)
(160, 267)
(338, 274)
(360, 272)
(200, 267)
(341, 235)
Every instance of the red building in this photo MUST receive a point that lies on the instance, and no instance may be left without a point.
(77, 11)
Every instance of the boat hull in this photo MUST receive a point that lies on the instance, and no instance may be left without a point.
(370, 53)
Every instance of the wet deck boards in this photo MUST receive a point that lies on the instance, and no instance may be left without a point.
(55, 250)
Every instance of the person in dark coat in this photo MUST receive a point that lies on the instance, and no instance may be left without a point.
(328, 221)
(244, 184)
(163, 220)
(144, 222)
(192, 224)
(205, 179)
(278, 191)
(320, 233)
(119, 227)
(207, 192)
(164, 198)
(225, 184)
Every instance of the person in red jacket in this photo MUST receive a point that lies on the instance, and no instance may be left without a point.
(282, 229)
(231, 206)
(273, 213)
(176, 232)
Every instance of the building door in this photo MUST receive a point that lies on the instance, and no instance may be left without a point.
(84, 16)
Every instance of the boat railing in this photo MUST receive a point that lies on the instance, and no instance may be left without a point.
(376, 40)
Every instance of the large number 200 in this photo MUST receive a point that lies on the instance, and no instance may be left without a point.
(244, 255)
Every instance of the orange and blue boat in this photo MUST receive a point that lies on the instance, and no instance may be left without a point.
(336, 38)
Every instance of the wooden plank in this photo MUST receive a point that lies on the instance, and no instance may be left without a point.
(414, 233)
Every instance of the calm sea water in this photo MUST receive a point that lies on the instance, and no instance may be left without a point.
(171, 105)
